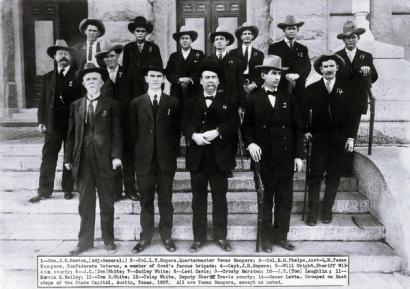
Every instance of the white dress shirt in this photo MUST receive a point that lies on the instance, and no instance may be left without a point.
(208, 102)
(94, 51)
(219, 53)
(152, 93)
(249, 56)
(113, 73)
(65, 70)
(329, 83)
(287, 41)
(185, 53)
(351, 53)
(272, 98)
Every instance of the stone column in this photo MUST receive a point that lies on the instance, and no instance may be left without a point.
(360, 10)
(258, 14)
(381, 19)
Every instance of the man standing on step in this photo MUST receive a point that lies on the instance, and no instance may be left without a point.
(59, 90)
(93, 151)
(209, 123)
(118, 85)
(272, 131)
(86, 51)
(333, 131)
(155, 130)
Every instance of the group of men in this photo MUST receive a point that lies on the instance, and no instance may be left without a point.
(120, 129)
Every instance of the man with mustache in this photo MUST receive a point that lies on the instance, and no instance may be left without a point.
(93, 151)
(59, 90)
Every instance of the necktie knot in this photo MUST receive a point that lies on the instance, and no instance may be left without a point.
(209, 97)
(220, 56)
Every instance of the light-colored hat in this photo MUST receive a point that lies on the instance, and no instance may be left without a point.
(98, 23)
(350, 28)
(245, 26)
(271, 62)
(106, 47)
(290, 21)
(328, 56)
(61, 44)
(219, 31)
(185, 31)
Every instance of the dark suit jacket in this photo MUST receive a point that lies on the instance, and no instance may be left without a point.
(120, 91)
(133, 61)
(351, 73)
(108, 138)
(165, 130)
(178, 67)
(297, 60)
(70, 92)
(256, 58)
(197, 118)
(277, 131)
(81, 54)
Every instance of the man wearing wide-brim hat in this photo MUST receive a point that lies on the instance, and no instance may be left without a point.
(86, 51)
(332, 129)
(183, 65)
(60, 88)
(249, 55)
(294, 55)
(272, 133)
(138, 54)
(93, 152)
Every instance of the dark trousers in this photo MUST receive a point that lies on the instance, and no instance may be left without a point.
(125, 177)
(278, 193)
(51, 148)
(161, 182)
(89, 179)
(219, 186)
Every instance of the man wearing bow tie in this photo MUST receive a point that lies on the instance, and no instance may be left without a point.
(272, 132)
(209, 122)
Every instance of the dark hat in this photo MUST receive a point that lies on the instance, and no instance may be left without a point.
(185, 31)
(106, 47)
(60, 45)
(349, 28)
(154, 66)
(85, 22)
(245, 26)
(209, 65)
(271, 62)
(290, 21)
(140, 21)
(219, 31)
(91, 67)
(327, 56)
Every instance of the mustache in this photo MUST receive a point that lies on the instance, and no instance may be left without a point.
(63, 59)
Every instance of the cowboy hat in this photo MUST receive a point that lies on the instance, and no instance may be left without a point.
(328, 56)
(106, 47)
(185, 31)
(60, 45)
(290, 21)
(349, 28)
(219, 31)
(87, 21)
(88, 68)
(271, 62)
(245, 26)
(140, 21)
(210, 65)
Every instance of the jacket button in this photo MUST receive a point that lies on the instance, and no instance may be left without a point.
(285, 138)
(283, 126)
(285, 148)
(264, 126)
(203, 121)
(150, 131)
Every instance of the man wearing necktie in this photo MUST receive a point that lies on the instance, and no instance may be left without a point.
(209, 123)
(93, 152)
(272, 133)
(86, 51)
(59, 90)
(333, 131)
(155, 134)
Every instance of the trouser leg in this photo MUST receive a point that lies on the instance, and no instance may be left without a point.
(219, 186)
(199, 183)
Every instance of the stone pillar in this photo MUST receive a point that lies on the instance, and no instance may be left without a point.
(258, 14)
(381, 19)
(360, 10)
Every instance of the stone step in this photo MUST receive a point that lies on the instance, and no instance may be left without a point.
(240, 227)
(238, 203)
(242, 181)
(364, 256)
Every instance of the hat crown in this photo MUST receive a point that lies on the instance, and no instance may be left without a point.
(89, 65)
(349, 27)
(272, 61)
(184, 29)
(106, 45)
(61, 43)
(220, 29)
(290, 20)
(140, 19)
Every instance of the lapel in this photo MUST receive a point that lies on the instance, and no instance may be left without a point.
(101, 104)
(218, 99)
(190, 56)
(162, 105)
(82, 109)
(146, 103)
(98, 49)
(146, 48)
(201, 101)
(119, 75)
(346, 58)
(356, 56)
(180, 57)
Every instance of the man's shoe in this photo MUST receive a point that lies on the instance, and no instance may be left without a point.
(169, 245)
(141, 245)
(267, 246)
(38, 198)
(196, 245)
(68, 195)
(311, 220)
(78, 250)
(224, 244)
(327, 216)
(111, 248)
(285, 244)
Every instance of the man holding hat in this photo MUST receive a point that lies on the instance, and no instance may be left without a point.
(294, 55)
(272, 132)
(139, 54)
(93, 151)
(86, 51)
(209, 123)
(183, 65)
(118, 85)
(249, 55)
(332, 130)
(60, 88)
(155, 130)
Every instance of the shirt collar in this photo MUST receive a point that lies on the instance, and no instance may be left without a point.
(269, 90)
(94, 100)
(223, 53)
(332, 82)
(288, 41)
(244, 47)
(213, 95)
(186, 52)
(66, 69)
(88, 43)
(113, 70)
(152, 93)
(353, 52)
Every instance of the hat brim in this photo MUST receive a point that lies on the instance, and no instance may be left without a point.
(357, 31)
(192, 34)
(284, 25)
(52, 50)
(265, 67)
(147, 26)
(240, 30)
(229, 37)
(85, 22)
(318, 62)
(100, 55)
(80, 74)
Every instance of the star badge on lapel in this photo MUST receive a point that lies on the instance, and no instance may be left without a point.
(70, 84)
(362, 56)
(197, 55)
(104, 113)
(339, 91)
(285, 105)
(169, 112)
(120, 74)
(225, 107)
(150, 50)
(255, 54)
(230, 61)
(301, 54)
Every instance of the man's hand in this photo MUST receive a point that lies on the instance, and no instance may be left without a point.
(42, 128)
(116, 163)
(308, 136)
(349, 146)
(68, 166)
(297, 165)
(185, 80)
(292, 76)
(249, 87)
(255, 152)
(365, 70)
(210, 135)
(199, 139)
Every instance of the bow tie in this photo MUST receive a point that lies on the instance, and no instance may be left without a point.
(273, 92)
(209, 97)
